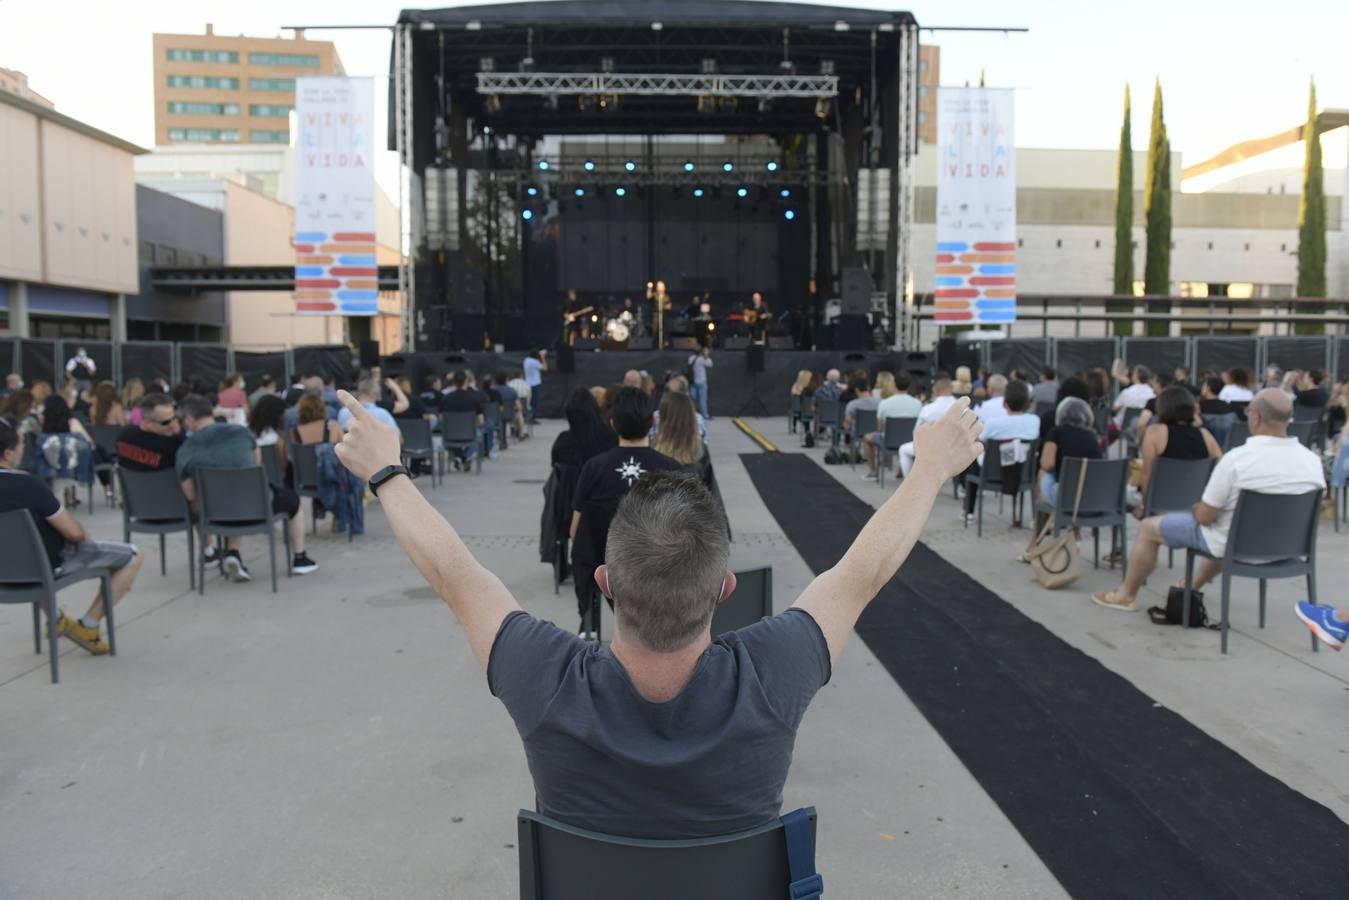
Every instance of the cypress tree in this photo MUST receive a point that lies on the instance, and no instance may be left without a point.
(1124, 221)
(1157, 210)
(1311, 222)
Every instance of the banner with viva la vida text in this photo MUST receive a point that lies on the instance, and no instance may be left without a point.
(335, 267)
(976, 207)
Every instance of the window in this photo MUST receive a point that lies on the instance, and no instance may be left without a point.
(203, 81)
(922, 91)
(203, 109)
(147, 252)
(922, 117)
(227, 135)
(167, 256)
(211, 56)
(922, 65)
(1198, 289)
(286, 85)
(265, 111)
(294, 60)
(257, 136)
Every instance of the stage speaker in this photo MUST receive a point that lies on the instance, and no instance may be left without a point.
(369, 352)
(856, 291)
(781, 342)
(566, 360)
(683, 343)
(642, 343)
(390, 366)
(586, 345)
(952, 353)
(754, 358)
(735, 342)
(851, 332)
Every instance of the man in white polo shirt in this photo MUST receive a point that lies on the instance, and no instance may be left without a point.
(994, 407)
(1270, 462)
(942, 398)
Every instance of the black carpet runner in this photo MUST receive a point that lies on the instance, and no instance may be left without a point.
(1117, 795)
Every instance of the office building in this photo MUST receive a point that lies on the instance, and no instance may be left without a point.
(16, 83)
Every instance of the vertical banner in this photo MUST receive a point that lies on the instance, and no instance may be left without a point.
(976, 207)
(335, 268)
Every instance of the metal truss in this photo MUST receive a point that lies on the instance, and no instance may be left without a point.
(669, 85)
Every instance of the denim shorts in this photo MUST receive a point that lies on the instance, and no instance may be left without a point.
(1181, 530)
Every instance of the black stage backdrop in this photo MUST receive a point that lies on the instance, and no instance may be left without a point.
(204, 362)
(147, 361)
(39, 361)
(252, 365)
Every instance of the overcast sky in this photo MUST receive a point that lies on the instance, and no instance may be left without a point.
(1229, 71)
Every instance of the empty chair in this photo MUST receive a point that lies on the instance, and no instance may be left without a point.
(417, 443)
(863, 422)
(26, 576)
(829, 414)
(751, 601)
(459, 431)
(990, 477)
(559, 862)
(233, 503)
(153, 503)
(1272, 536)
(1103, 503)
(1176, 485)
(1237, 434)
(897, 433)
(105, 439)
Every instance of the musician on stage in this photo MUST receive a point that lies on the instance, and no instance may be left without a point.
(757, 317)
(575, 321)
(660, 305)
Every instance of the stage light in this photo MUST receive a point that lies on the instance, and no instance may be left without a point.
(789, 215)
(784, 193)
(527, 214)
(697, 192)
(772, 165)
(580, 192)
(711, 326)
(620, 191)
(630, 166)
(594, 318)
(742, 191)
(589, 165)
(727, 166)
(532, 191)
(688, 165)
(543, 165)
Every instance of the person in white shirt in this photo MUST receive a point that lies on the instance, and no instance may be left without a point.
(1015, 430)
(1238, 386)
(1270, 462)
(896, 403)
(1136, 395)
(942, 397)
(993, 407)
(81, 368)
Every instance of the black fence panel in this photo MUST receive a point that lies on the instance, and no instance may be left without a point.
(1342, 359)
(37, 360)
(100, 353)
(148, 362)
(204, 363)
(8, 357)
(330, 361)
(1298, 353)
(1223, 353)
(1158, 354)
(1030, 355)
(1074, 356)
(253, 365)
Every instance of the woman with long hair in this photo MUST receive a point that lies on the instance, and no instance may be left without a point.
(108, 409)
(132, 392)
(802, 382)
(587, 433)
(1238, 386)
(885, 384)
(1174, 435)
(65, 449)
(678, 436)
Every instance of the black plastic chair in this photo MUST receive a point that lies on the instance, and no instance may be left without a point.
(1339, 484)
(26, 576)
(559, 862)
(458, 431)
(990, 478)
(105, 442)
(417, 443)
(897, 433)
(1103, 503)
(1175, 485)
(751, 601)
(1237, 434)
(1127, 430)
(829, 414)
(863, 422)
(153, 503)
(793, 412)
(1272, 536)
(304, 464)
(1305, 432)
(806, 417)
(233, 503)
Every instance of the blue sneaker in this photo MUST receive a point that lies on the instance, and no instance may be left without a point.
(1321, 621)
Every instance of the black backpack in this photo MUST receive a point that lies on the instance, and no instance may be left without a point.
(1173, 612)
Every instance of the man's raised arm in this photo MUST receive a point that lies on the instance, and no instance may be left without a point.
(479, 600)
(835, 599)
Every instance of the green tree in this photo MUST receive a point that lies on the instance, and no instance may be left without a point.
(1311, 221)
(1124, 221)
(1157, 211)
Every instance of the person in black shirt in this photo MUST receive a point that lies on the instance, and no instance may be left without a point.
(587, 434)
(604, 480)
(1311, 390)
(462, 398)
(152, 445)
(1073, 434)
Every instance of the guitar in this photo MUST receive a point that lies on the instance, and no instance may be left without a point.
(573, 316)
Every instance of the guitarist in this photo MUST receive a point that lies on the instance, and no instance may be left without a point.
(756, 317)
(575, 318)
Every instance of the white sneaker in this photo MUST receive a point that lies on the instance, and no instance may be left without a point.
(869, 476)
(234, 568)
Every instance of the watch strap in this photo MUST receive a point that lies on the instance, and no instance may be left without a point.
(377, 480)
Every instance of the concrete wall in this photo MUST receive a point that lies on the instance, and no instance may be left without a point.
(168, 221)
(20, 196)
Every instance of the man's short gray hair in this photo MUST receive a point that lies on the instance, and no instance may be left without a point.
(1074, 412)
(667, 554)
(367, 387)
(1273, 406)
(996, 384)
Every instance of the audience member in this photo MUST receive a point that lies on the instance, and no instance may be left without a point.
(13, 383)
(863, 399)
(1327, 623)
(1174, 435)
(1273, 377)
(632, 379)
(803, 379)
(1073, 435)
(899, 405)
(678, 436)
(535, 364)
(1137, 394)
(993, 407)
(462, 398)
(153, 444)
(961, 385)
(266, 420)
(1270, 462)
(367, 392)
(1237, 388)
(65, 449)
(132, 392)
(1181, 376)
(832, 388)
(266, 387)
(1047, 390)
(1016, 432)
(587, 433)
(942, 400)
(232, 394)
(1311, 390)
(107, 409)
(1210, 402)
(69, 547)
(81, 368)
(699, 363)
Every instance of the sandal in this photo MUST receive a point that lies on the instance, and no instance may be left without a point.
(1110, 600)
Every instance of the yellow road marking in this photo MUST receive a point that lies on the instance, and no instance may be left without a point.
(754, 436)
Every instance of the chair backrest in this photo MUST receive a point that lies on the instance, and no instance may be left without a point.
(1239, 408)
(271, 463)
(794, 404)
(898, 431)
(1339, 473)
(1176, 485)
(1103, 489)
(752, 600)
(23, 559)
(1045, 409)
(304, 459)
(560, 862)
(225, 496)
(1130, 419)
(864, 421)
(105, 438)
(990, 471)
(152, 495)
(1308, 413)
(1274, 526)
(829, 412)
(1305, 431)
(1237, 434)
(459, 427)
(416, 434)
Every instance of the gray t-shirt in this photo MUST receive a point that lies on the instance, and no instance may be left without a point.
(711, 761)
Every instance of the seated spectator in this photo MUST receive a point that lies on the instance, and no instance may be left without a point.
(132, 392)
(309, 383)
(678, 436)
(942, 400)
(330, 393)
(69, 547)
(802, 382)
(1237, 385)
(1073, 435)
(367, 392)
(603, 481)
(961, 385)
(221, 445)
(1181, 376)
(1138, 392)
(1327, 623)
(609, 731)
(1273, 377)
(1210, 403)
(899, 405)
(1016, 431)
(21, 411)
(491, 413)
(525, 392)
(153, 444)
(65, 449)
(510, 401)
(832, 388)
(231, 403)
(677, 384)
(993, 407)
(266, 421)
(1173, 435)
(1310, 389)
(266, 386)
(587, 433)
(462, 398)
(432, 386)
(1270, 462)
(1159, 382)
(13, 383)
(633, 379)
(1337, 416)
(312, 424)
(863, 400)
(400, 401)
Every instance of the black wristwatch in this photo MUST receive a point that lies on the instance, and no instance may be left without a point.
(377, 480)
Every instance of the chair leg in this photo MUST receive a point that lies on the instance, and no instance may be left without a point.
(285, 540)
(979, 516)
(201, 565)
(37, 629)
(191, 561)
(52, 637)
(1096, 544)
(163, 566)
(1124, 548)
(271, 552)
(107, 614)
(1311, 597)
(1226, 608)
(1189, 589)
(1262, 602)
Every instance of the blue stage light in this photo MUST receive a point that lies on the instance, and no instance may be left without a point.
(697, 192)
(742, 192)
(630, 166)
(543, 164)
(620, 191)
(772, 165)
(580, 192)
(727, 166)
(527, 214)
(688, 166)
(532, 191)
(589, 165)
(784, 193)
(789, 215)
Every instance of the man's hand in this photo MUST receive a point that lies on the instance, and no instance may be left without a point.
(951, 442)
(368, 445)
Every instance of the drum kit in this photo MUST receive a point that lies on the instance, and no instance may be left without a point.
(621, 327)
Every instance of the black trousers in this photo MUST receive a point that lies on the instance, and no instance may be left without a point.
(587, 594)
